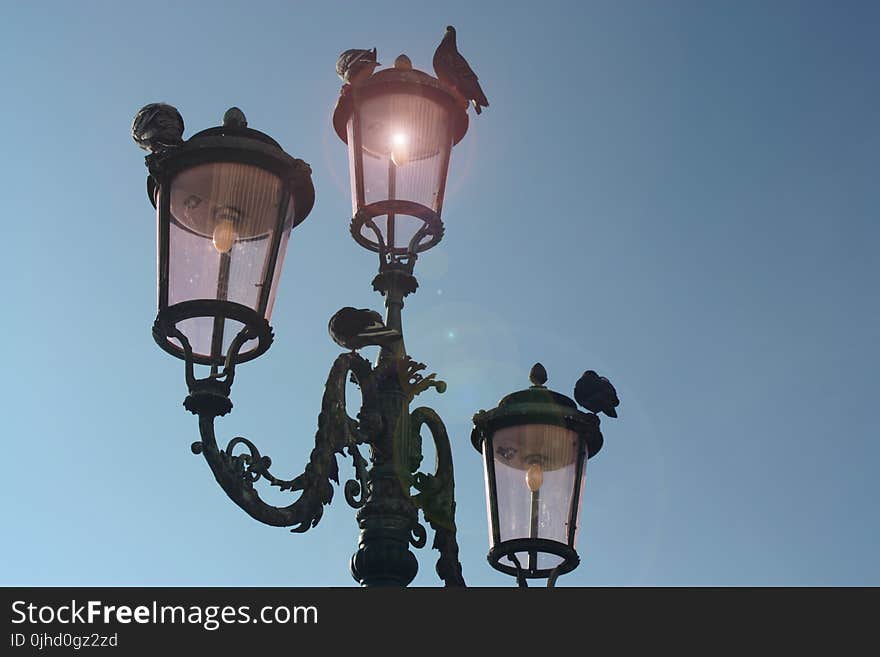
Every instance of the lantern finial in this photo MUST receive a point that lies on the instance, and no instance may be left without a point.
(234, 118)
(403, 63)
(538, 375)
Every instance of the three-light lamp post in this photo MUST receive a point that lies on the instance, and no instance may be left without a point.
(227, 200)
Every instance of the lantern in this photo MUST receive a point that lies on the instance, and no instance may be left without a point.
(400, 125)
(226, 201)
(535, 446)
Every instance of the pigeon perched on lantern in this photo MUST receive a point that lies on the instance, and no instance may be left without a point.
(595, 393)
(354, 328)
(453, 70)
(157, 127)
(356, 65)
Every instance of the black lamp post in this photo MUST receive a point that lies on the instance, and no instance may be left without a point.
(227, 200)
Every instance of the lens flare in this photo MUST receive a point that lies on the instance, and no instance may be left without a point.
(399, 149)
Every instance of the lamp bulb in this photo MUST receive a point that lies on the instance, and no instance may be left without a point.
(224, 236)
(534, 477)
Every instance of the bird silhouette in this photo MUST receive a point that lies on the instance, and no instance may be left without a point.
(453, 70)
(354, 328)
(356, 65)
(157, 127)
(596, 394)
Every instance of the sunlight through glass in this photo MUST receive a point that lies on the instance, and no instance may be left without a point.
(399, 149)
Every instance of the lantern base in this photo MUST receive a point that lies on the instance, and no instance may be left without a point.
(533, 546)
(368, 234)
(257, 326)
(209, 397)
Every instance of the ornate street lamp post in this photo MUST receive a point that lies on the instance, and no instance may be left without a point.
(227, 199)
(400, 126)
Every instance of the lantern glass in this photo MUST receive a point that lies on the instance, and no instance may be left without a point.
(536, 469)
(399, 148)
(224, 223)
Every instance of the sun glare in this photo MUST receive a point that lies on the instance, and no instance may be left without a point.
(399, 148)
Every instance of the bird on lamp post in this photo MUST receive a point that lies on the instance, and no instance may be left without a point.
(353, 328)
(356, 65)
(157, 127)
(595, 393)
(453, 70)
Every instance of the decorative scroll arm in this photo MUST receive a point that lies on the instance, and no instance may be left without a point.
(356, 489)
(436, 497)
(237, 474)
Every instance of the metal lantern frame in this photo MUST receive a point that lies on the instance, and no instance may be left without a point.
(405, 81)
(536, 405)
(232, 142)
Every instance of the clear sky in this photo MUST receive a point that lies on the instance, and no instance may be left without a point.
(681, 195)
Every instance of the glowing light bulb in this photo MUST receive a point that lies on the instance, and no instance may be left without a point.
(399, 148)
(534, 477)
(224, 236)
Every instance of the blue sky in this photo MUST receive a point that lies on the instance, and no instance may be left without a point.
(681, 195)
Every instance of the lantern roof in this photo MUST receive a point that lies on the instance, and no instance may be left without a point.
(234, 142)
(401, 79)
(538, 405)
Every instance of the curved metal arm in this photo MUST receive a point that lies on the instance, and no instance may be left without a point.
(436, 497)
(237, 474)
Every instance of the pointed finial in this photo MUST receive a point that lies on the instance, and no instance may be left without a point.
(403, 63)
(234, 118)
(538, 375)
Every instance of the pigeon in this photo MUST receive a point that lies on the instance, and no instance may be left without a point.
(157, 127)
(356, 65)
(596, 394)
(354, 328)
(452, 69)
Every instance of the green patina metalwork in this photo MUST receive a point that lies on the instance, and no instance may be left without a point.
(382, 490)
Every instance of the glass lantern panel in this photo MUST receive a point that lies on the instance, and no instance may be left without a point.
(405, 145)
(193, 266)
(224, 218)
(535, 474)
(279, 263)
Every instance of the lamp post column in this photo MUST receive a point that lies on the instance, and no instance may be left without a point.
(389, 519)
